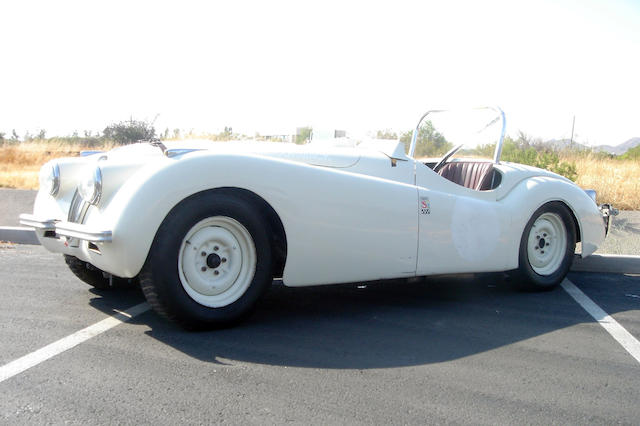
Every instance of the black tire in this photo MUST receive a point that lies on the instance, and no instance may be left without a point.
(94, 276)
(551, 269)
(164, 279)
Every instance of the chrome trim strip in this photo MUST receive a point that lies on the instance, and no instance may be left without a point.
(67, 229)
(78, 209)
(83, 232)
(88, 153)
(498, 152)
(56, 180)
(38, 223)
(414, 137)
(180, 151)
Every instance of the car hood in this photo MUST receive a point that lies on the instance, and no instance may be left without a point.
(336, 153)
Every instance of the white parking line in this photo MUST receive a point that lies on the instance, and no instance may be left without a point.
(630, 343)
(34, 358)
(626, 339)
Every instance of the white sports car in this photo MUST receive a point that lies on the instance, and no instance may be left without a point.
(205, 226)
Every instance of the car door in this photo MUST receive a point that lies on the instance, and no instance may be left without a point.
(459, 229)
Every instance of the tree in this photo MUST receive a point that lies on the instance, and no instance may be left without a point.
(42, 134)
(303, 134)
(429, 142)
(14, 135)
(129, 131)
(176, 133)
(386, 134)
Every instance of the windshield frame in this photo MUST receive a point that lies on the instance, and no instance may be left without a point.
(498, 151)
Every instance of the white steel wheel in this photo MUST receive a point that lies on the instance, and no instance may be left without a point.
(217, 261)
(210, 261)
(547, 244)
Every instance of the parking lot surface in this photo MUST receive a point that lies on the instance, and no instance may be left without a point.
(448, 350)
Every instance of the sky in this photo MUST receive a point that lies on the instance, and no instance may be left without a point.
(270, 67)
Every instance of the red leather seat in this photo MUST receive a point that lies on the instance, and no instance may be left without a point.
(470, 174)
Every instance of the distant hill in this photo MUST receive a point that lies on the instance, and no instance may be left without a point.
(560, 144)
(620, 149)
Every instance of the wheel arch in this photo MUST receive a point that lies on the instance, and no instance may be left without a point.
(277, 232)
(576, 223)
(572, 213)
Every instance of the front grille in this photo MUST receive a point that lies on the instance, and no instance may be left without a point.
(78, 209)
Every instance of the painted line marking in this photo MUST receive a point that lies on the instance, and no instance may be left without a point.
(618, 332)
(34, 358)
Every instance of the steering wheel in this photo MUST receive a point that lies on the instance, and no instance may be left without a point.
(440, 164)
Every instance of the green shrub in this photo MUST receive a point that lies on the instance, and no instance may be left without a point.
(522, 152)
(632, 154)
(129, 131)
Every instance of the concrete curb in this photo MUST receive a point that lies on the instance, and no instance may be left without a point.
(603, 263)
(607, 263)
(18, 235)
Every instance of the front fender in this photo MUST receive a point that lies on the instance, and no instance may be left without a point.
(136, 210)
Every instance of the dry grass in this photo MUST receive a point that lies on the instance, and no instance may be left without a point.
(20, 162)
(615, 181)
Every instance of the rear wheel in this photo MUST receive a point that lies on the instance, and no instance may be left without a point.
(547, 248)
(209, 263)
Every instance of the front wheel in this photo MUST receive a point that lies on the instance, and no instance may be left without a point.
(209, 263)
(547, 248)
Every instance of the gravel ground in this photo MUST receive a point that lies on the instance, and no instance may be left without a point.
(622, 239)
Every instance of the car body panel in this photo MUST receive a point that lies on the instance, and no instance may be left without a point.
(350, 213)
(344, 217)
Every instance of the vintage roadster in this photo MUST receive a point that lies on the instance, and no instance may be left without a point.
(206, 226)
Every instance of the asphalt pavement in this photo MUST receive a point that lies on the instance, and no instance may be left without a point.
(447, 350)
(13, 202)
(457, 350)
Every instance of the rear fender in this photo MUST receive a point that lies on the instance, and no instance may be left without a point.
(530, 194)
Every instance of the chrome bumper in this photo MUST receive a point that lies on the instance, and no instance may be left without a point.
(608, 211)
(54, 228)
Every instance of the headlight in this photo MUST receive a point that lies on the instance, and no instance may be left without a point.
(90, 187)
(50, 178)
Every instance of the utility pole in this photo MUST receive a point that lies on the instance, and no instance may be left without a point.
(572, 127)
